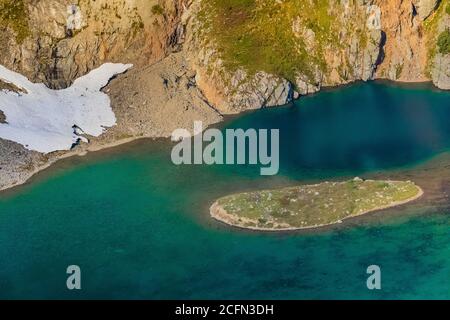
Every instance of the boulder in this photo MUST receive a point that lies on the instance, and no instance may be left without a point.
(261, 90)
(424, 8)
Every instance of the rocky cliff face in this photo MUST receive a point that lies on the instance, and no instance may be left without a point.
(410, 33)
(58, 41)
(257, 53)
(440, 56)
(247, 54)
(198, 59)
(424, 8)
(267, 52)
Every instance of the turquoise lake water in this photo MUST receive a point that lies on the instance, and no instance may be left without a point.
(139, 227)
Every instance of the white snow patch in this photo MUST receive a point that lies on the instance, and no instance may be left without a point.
(47, 120)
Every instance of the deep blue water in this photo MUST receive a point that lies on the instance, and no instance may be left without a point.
(138, 226)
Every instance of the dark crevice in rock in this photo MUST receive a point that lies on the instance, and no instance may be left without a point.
(382, 54)
(414, 10)
(2, 117)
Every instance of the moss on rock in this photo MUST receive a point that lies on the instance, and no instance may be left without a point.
(14, 15)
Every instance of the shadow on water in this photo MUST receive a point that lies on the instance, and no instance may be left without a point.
(138, 226)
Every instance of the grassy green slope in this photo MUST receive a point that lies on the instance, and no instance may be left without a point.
(257, 35)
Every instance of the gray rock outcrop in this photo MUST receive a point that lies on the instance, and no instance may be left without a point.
(372, 54)
(441, 71)
(263, 90)
(65, 41)
(425, 8)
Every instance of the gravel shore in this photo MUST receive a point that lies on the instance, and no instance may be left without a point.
(148, 103)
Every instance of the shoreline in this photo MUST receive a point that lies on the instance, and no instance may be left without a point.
(98, 146)
(69, 154)
(219, 214)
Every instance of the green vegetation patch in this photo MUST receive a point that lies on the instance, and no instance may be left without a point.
(257, 35)
(443, 42)
(13, 14)
(158, 9)
(313, 205)
(431, 28)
